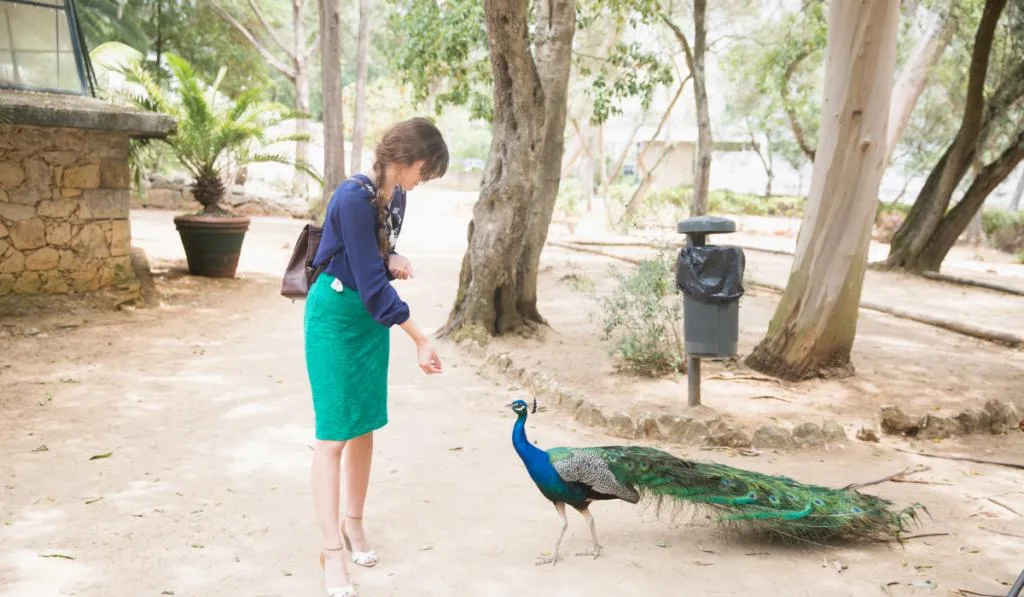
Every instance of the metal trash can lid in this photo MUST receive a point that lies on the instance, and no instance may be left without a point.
(706, 225)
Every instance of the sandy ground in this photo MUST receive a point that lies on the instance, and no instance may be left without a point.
(203, 409)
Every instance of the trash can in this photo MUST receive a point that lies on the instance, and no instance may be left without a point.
(710, 278)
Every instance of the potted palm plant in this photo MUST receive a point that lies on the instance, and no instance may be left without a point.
(214, 133)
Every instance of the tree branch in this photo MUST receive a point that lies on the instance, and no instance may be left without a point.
(787, 106)
(283, 68)
(270, 31)
(682, 39)
(313, 46)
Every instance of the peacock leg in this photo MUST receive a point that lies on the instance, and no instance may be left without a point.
(554, 554)
(596, 551)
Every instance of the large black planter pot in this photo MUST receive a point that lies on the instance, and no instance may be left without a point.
(212, 244)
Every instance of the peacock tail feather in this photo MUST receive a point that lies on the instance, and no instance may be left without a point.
(776, 505)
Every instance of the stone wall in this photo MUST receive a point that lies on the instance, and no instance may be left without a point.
(64, 200)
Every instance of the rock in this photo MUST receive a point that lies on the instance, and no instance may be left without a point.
(91, 242)
(28, 196)
(60, 158)
(772, 436)
(42, 260)
(3, 230)
(684, 430)
(57, 209)
(58, 234)
(866, 434)
(115, 174)
(897, 422)
(54, 283)
(13, 263)
(6, 284)
(28, 234)
(647, 427)
(1004, 415)
(106, 204)
(936, 427)
(27, 283)
(69, 262)
(82, 177)
(502, 361)
(37, 174)
(11, 174)
(16, 213)
(725, 435)
(808, 435)
(85, 281)
(833, 432)
(974, 420)
(67, 193)
(121, 239)
(590, 415)
(620, 425)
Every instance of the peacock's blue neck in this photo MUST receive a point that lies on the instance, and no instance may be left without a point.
(532, 456)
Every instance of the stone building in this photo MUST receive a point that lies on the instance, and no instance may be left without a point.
(64, 159)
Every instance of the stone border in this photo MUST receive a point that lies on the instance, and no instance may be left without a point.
(705, 428)
(709, 428)
(996, 418)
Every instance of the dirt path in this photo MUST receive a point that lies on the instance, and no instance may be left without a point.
(203, 408)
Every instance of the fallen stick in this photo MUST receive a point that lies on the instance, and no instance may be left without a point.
(924, 536)
(963, 458)
(906, 471)
(996, 337)
(1003, 533)
(938, 277)
(998, 503)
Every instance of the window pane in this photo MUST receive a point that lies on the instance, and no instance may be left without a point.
(41, 54)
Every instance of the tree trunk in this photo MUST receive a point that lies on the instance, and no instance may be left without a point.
(300, 182)
(813, 329)
(553, 32)
(953, 225)
(702, 178)
(926, 214)
(603, 162)
(334, 130)
(1017, 193)
(498, 281)
(911, 82)
(359, 115)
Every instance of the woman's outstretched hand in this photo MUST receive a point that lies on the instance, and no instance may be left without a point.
(427, 357)
(400, 267)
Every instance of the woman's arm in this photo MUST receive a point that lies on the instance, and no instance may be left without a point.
(426, 356)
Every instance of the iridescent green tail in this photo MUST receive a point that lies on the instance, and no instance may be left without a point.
(778, 505)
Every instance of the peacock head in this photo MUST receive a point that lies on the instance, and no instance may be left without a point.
(521, 407)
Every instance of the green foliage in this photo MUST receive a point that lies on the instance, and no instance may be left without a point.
(443, 54)
(568, 201)
(214, 132)
(1004, 229)
(627, 72)
(641, 319)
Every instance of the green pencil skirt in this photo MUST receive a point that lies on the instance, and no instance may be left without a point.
(347, 355)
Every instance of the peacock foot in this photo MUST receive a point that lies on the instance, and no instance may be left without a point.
(595, 551)
(543, 560)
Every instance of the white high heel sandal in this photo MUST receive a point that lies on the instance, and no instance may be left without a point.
(367, 559)
(342, 591)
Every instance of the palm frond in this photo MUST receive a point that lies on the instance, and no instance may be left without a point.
(283, 159)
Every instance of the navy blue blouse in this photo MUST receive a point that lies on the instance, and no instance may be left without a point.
(350, 236)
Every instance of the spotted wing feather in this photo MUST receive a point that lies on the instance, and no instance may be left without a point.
(589, 469)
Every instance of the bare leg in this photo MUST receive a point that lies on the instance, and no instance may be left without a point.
(596, 551)
(554, 554)
(356, 463)
(325, 482)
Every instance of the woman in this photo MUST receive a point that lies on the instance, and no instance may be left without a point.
(349, 311)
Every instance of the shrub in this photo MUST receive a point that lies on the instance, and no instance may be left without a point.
(641, 319)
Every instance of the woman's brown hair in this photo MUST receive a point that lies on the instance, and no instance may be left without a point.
(406, 143)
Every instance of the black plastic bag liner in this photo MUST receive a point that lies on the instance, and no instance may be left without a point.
(710, 274)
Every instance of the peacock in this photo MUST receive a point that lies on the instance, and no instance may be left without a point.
(778, 506)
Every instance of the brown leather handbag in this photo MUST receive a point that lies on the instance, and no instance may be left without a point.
(300, 273)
